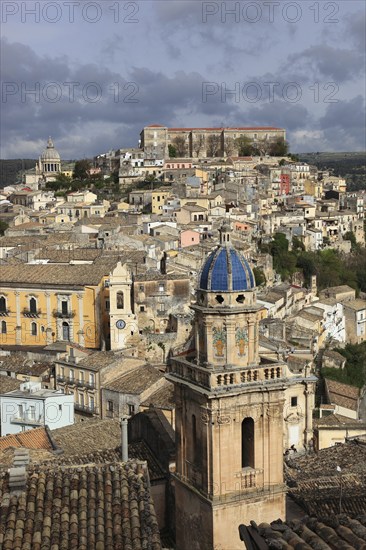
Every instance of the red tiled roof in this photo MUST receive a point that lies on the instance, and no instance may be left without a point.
(31, 439)
(225, 128)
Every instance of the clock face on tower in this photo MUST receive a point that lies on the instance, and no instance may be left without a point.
(120, 324)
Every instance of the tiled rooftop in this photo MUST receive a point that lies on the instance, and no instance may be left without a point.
(88, 436)
(8, 384)
(31, 439)
(135, 382)
(163, 398)
(36, 275)
(343, 395)
(92, 507)
(322, 533)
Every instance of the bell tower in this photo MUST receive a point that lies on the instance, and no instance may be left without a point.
(123, 323)
(229, 412)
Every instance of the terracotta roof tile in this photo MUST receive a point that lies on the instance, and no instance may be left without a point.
(137, 381)
(322, 532)
(91, 507)
(53, 274)
(31, 439)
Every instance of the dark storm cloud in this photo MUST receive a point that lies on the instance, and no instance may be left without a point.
(355, 29)
(155, 71)
(325, 61)
(282, 114)
(126, 102)
(344, 124)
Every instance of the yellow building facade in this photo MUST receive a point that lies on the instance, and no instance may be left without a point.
(41, 304)
(158, 199)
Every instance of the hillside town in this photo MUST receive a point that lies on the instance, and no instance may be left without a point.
(182, 348)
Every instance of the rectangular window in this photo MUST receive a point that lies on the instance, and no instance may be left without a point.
(110, 406)
(91, 403)
(81, 399)
(81, 376)
(71, 374)
(293, 401)
(64, 307)
(131, 409)
(142, 308)
(91, 379)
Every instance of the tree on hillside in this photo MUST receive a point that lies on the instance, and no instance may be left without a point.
(229, 146)
(213, 145)
(81, 169)
(179, 143)
(244, 145)
(260, 278)
(198, 144)
(350, 236)
(172, 151)
(278, 148)
(3, 227)
(262, 147)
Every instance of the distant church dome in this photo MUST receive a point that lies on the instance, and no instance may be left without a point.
(225, 269)
(50, 154)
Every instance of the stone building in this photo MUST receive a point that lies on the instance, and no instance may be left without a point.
(47, 168)
(201, 142)
(229, 412)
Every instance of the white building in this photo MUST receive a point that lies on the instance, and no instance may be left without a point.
(334, 323)
(313, 239)
(32, 406)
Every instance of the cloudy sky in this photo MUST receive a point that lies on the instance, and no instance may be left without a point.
(93, 74)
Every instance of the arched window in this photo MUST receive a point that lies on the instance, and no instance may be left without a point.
(34, 329)
(33, 305)
(2, 304)
(65, 331)
(120, 300)
(247, 443)
(3, 327)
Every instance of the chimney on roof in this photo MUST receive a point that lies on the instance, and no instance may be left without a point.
(18, 474)
(124, 447)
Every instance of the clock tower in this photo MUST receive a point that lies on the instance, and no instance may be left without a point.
(229, 413)
(123, 323)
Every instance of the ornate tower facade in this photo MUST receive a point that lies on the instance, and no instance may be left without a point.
(123, 323)
(229, 413)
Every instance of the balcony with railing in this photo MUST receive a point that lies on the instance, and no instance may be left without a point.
(63, 314)
(208, 378)
(4, 312)
(32, 313)
(87, 409)
(250, 478)
(78, 382)
(28, 420)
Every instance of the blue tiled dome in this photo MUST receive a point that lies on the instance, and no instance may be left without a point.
(226, 270)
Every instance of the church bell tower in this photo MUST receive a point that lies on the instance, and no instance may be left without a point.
(229, 412)
(123, 323)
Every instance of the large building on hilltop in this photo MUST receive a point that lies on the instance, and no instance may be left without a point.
(231, 406)
(201, 142)
(47, 168)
